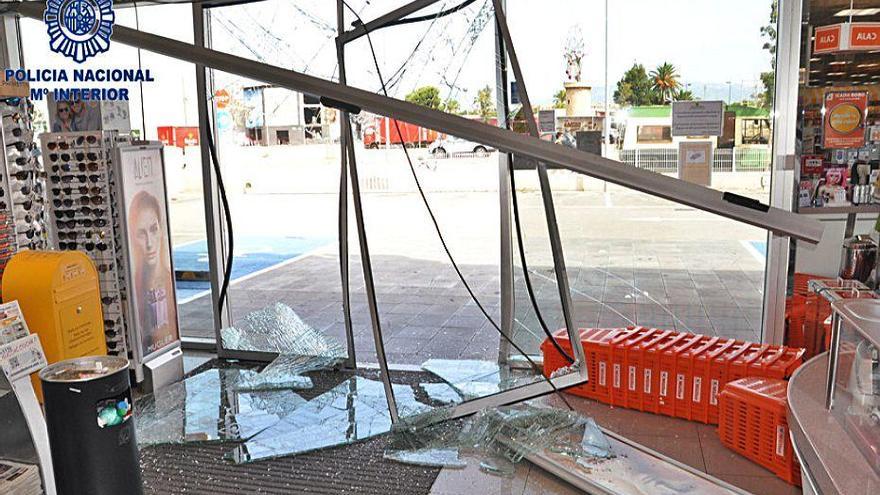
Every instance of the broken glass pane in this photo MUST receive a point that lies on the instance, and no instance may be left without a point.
(449, 458)
(197, 409)
(278, 328)
(500, 437)
(353, 411)
(475, 378)
(441, 393)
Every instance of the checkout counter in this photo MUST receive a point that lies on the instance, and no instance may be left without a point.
(834, 405)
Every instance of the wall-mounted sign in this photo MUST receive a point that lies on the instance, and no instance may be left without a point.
(221, 98)
(695, 162)
(847, 37)
(845, 113)
(546, 121)
(697, 118)
(827, 38)
(864, 36)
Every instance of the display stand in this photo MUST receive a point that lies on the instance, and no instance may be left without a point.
(23, 435)
(142, 205)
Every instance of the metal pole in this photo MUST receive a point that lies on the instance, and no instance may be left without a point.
(371, 290)
(213, 216)
(344, 138)
(833, 353)
(607, 123)
(546, 193)
(504, 195)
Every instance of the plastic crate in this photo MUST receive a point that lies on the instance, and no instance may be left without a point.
(678, 396)
(647, 379)
(695, 391)
(633, 366)
(597, 353)
(753, 423)
(618, 347)
(705, 366)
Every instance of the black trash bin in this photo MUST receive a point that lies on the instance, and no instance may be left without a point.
(91, 429)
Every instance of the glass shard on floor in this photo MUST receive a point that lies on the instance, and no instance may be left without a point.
(198, 409)
(300, 347)
(499, 437)
(279, 329)
(474, 378)
(353, 411)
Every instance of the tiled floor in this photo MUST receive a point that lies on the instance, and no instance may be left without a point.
(425, 311)
(690, 443)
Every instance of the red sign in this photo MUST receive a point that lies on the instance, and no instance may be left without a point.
(827, 39)
(864, 36)
(166, 135)
(811, 165)
(186, 136)
(845, 113)
(221, 98)
(178, 136)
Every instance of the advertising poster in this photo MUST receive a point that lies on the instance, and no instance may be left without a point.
(148, 250)
(845, 114)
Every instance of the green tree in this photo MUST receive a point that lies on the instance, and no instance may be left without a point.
(768, 79)
(559, 99)
(684, 95)
(664, 82)
(484, 106)
(452, 106)
(634, 88)
(426, 96)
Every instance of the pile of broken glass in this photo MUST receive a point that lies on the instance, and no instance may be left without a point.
(280, 411)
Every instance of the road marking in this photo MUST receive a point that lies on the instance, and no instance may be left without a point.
(753, 251)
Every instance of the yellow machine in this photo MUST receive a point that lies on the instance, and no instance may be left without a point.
(59, 296)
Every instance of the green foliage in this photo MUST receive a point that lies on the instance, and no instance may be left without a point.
(452, 106)
(484, 105)
(426, 96)
(634, 89)
(664, 82)
(559, 99)
(684, 95)
(768, 79)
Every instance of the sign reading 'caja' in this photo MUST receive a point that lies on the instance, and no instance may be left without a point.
(79, 29)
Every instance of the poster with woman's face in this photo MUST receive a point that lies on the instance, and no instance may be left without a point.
(149, 252)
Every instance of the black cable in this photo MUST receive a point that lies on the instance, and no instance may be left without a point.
(440, 233)
(428, 17)
(224, 201)
(525, 268)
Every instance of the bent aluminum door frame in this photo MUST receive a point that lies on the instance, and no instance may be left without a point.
(778, 221)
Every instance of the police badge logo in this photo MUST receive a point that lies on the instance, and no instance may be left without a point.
(79, 29)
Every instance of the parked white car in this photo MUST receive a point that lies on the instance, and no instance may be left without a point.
(451, 145)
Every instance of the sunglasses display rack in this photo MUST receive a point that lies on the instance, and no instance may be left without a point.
(80, 198)
(8, 243)
(22, 192)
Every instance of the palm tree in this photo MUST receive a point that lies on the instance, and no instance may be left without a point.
(664, 81)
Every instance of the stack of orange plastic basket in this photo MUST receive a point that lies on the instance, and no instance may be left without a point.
(807, 315)
(666, 372)
(753, 423)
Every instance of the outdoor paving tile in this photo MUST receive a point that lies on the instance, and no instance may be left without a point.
(406, 345)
